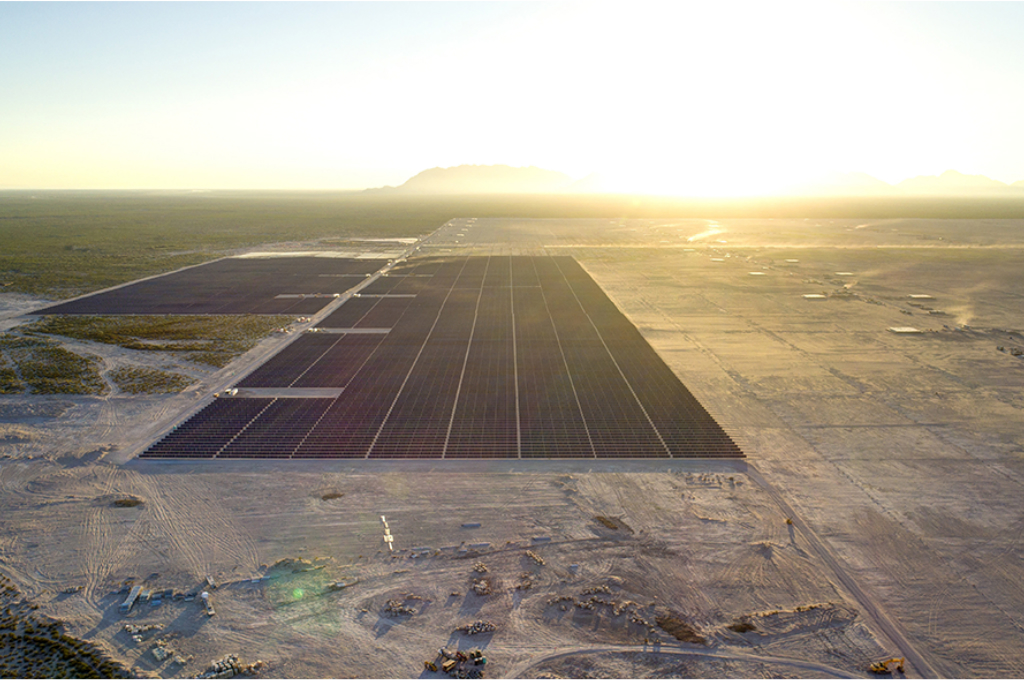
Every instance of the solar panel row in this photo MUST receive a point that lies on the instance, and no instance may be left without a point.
(498, 357)
(681, 420)
(485, 421)
(232, 286)
(280, 428)
(417, 424)
(353, 422)
(210, 430)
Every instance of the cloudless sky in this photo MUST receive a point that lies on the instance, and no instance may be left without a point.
(693, 98)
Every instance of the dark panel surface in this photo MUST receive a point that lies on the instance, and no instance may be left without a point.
(232, 286)
(339, 364)
(289, 364)
(350, 312)
(494, 357)
(210, 430)
(617, 423)
(485, 421)
(418, 423)
(278, 429)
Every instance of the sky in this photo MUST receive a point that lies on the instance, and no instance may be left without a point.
(691, 98)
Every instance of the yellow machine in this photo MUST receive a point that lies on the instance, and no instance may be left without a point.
(883, 666)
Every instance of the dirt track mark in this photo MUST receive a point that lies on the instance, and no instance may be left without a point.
(110, 419)
(867, 604)
(523, 669)
(178, 525)
(95, 538)
(103, 550)
(201, 530)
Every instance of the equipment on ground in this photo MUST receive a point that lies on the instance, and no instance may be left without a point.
(458, 664)
(881, 667)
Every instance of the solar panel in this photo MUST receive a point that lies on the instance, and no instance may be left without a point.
(232, 286)
(494, 357)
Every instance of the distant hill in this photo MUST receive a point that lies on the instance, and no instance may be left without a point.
(504, 179)
(950, 183)
(844, 184)
(953, 183)
(486, 179)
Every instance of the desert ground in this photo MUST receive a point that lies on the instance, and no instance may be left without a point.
(877, 512)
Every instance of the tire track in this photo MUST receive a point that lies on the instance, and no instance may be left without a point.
(176, 527)
(104, 551)
(202, 531)
(866, 603)
(822, 670)
(95, 536)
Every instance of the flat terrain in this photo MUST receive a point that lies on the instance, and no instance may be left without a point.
(877, 512)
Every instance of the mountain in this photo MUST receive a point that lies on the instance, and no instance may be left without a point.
(843, 184)
(953, 183)
(504, 179)
(486, 179)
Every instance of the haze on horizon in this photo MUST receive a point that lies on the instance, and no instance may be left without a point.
(696, 99)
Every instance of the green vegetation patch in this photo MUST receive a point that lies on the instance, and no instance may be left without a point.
(34, 646)
(211, 340)
(134, 380)
(62, 244)
(10, 383)
(10, 342)
(47, 368)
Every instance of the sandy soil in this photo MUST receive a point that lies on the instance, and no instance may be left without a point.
(897, 461)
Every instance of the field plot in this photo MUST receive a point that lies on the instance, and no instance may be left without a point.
(498, 357)
(270, 285)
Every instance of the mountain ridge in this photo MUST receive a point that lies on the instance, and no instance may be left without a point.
(505, 179)
(485, 179)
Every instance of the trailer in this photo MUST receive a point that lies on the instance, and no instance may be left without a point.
(129, 601)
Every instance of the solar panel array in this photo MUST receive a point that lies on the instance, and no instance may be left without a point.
(465, 357)
(232, 286)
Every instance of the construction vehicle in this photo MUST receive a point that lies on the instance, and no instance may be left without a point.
(882, 667)
(458, 664)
